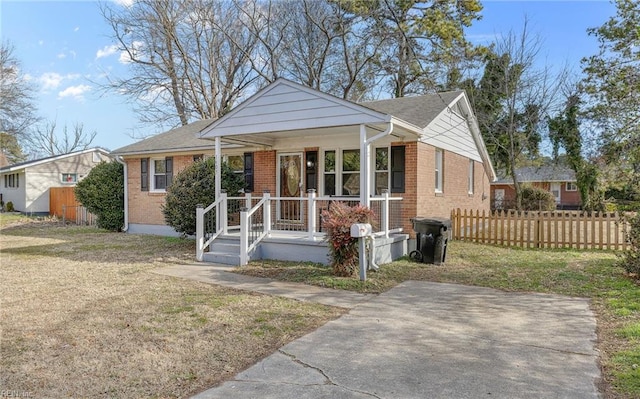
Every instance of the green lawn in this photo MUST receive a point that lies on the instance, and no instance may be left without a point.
(592, 274)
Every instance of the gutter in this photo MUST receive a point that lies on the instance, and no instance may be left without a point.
(121, 161)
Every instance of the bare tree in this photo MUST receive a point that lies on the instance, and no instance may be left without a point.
(182, 67)
(17, 109)
(45, 140)
(513, 100)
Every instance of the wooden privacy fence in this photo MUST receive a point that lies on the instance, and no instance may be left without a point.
(544, 229)
(63, 204)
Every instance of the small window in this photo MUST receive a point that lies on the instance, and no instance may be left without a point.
(12, 180)
(571, 186)
(161, 173)
(198, 157)
(382, 170)
(69, 178)
(471, 176)
(329, 173)
(439, 170)
(236, 163)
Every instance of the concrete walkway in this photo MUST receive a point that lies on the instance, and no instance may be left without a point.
(425, 340)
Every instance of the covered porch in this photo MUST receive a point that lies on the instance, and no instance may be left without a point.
(306, 150)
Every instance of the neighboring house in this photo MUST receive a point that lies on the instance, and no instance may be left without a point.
(27, 184)
(557, 179)
(288, 139)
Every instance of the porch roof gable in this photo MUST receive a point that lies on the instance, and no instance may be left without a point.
(288, 106)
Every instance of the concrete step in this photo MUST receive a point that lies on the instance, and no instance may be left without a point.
(222, 258)
(224, 250)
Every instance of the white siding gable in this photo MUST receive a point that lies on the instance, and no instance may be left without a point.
(286, 106)
(450, 131)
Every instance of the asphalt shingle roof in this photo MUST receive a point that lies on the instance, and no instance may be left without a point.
(546, 173)
(181, 138)
(418, 110)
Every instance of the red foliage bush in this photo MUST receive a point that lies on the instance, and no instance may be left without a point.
(343, 249)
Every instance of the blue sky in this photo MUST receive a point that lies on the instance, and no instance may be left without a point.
(65, 49)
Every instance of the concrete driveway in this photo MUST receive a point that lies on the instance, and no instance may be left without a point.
(431, 340)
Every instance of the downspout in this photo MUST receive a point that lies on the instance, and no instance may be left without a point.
(126, 194)
(365, 161)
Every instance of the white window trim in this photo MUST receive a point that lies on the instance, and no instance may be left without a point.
(575, 186)
(152, 175)
(69, 182)
(439, 181)
(471, 178)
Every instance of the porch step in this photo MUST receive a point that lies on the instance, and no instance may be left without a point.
(224, 250)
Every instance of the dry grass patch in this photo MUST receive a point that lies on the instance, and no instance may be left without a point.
(82, 316)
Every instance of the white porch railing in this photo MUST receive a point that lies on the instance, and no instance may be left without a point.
(209, 224)
(256, 217)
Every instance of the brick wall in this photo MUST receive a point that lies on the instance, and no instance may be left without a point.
(420, 196)
(145, 206)
(570, 199)
(264, 172)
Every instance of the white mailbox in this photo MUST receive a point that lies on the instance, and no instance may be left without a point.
(360, 230)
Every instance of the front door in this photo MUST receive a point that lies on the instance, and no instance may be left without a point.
(290, 186)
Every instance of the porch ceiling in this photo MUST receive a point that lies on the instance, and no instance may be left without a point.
(271, 139)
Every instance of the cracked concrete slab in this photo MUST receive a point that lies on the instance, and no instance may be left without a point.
(431, 340)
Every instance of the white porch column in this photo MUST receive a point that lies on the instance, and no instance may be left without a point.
(365, 161)
(218, 177)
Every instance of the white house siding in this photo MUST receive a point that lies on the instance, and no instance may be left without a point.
(35, 181)
(292, 107)
(15, 195)
(450, 131)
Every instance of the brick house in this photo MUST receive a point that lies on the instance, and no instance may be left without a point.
(306, 148)
(557, 179)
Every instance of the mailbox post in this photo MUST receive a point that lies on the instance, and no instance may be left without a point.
(361, 231)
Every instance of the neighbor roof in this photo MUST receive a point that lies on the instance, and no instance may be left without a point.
(179, 139)
(545, 173)
(27, 164)
(418, 110)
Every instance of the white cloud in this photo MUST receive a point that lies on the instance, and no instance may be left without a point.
(61, 55)
(41, 42)
(50, 80)
(77, 28)
(106, 51)
(75, 92)
(125, 3)
(125, 58)
(53, 80)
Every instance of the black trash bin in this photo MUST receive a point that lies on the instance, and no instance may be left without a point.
(431, 239)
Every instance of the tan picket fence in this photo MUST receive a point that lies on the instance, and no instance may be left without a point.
(544, 229)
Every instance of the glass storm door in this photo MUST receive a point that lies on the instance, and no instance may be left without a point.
(290, 182)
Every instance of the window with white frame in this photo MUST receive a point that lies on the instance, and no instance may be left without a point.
(161, 173)
(69, 178)
(330, 172)
(382, 170)
(571, 186)
(471, 176)
(439, 170)
(236, 163)
(351, 172)
(12, 180)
